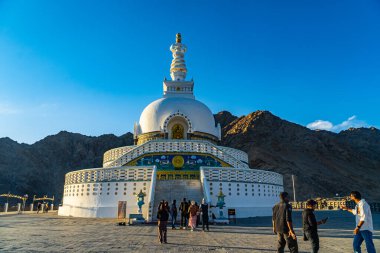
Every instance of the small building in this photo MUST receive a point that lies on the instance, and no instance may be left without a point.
(327, 203)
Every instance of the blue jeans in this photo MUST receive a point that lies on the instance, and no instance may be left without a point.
(174, 219)
(366, 236)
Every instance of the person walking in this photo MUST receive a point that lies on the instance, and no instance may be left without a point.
(310, 225)
(283, 225)
(188, 205)
(162, 202)
(173, 213)
(198, 215)
(193, 211)
(166, 203)
(364, 224)
(38, 207)
(184, 208)
(163, 217)
(204, 212)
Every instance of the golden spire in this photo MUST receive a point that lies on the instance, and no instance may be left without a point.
(178, 38)
(178, 67)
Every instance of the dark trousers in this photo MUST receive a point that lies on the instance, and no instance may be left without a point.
(313, 237)
(162, 231)
(283, 239)
(366, 236)
(184, 219)
(174, 220)
(205, 222)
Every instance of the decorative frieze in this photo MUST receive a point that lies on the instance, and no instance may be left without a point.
(236, 159)
(135, 173)
(242, 175)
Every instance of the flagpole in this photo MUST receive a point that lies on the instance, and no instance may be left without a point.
(294, 190)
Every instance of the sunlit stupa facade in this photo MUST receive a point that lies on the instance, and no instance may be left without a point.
(176, 155)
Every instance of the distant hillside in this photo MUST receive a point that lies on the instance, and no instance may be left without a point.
(40, 168)
(324, 163)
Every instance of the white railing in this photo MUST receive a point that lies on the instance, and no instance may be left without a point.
(130, 173)
(205, 187)
(178, 146)
(238, 154)
(242, 175)
(115, 153)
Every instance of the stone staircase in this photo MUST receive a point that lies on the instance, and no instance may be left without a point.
(176, 189)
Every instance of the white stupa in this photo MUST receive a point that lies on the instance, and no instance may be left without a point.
(176, 155)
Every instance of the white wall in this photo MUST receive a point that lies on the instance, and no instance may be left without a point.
(105, 205)
(249, 199)
(87, 200)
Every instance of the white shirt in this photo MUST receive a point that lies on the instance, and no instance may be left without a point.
(362, 212)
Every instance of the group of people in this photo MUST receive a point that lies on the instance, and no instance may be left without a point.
(281, 220)
(44, 207)
(283, 224)
(191, 214)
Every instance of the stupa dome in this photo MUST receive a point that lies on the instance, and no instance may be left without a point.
(158, 115)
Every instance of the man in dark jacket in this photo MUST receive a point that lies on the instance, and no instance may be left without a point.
(184, 208)
(163, 217)
(310, 225)
(204, 213)
(38, 207)
(282, 225)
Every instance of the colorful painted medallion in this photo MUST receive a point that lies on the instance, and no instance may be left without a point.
(178, 161)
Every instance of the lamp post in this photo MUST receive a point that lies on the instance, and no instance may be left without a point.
(221, 204)
(140, 201)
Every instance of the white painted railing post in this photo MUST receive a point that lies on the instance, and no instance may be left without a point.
(206, 190)
(151, 194)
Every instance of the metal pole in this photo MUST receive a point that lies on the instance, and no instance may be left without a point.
(294, 190)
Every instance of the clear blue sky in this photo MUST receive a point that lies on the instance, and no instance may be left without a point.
(92, 66)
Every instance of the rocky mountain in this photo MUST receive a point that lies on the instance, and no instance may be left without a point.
(324, 163)
(40, 168)
(224, 118)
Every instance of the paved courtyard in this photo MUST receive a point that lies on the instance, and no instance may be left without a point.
(52, 233)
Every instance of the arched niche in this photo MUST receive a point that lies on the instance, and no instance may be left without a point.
(177, 127)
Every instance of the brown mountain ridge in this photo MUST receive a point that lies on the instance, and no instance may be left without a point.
(324, 163)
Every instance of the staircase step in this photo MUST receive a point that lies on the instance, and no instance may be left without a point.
(176, 189)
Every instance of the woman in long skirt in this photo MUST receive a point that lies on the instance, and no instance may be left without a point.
(193, 211)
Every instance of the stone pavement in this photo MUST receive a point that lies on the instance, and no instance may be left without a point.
(52, 233)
